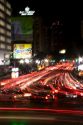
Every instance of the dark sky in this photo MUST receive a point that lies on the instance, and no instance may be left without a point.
(70, 12)
(48, 7)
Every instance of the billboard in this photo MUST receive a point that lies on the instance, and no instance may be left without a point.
(22, 28)
(22, 51)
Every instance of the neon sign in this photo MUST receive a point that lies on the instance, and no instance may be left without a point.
(27, 11)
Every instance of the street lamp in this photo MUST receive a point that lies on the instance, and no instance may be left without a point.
(63, 51)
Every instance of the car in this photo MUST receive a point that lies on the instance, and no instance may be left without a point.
(21, 97)
(71, 95)
(42, 96)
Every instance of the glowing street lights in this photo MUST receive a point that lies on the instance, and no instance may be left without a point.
(63, 51)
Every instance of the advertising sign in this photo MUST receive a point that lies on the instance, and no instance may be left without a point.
(22, 51)
(22, 28)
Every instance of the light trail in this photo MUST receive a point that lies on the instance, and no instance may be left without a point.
(45, 118)
(64, 81)
(72, 112)
(33, 80)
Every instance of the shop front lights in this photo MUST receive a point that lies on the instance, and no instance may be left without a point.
(46, 60)
(80, 59)
(37, 61)
(27, 61)
(22, 61)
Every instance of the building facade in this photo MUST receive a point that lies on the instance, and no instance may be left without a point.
(40, 37)
(5, 32)
(47, 35)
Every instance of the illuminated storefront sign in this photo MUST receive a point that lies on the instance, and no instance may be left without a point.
(27, 12)
(22, 51)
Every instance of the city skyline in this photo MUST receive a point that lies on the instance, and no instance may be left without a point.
(67, 13)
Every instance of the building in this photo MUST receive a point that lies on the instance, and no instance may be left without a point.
(5, 32)
(56, 35)
(47, 35)
(40, 37)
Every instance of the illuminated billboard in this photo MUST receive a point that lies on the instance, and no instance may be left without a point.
(22, 28)
(22, 51)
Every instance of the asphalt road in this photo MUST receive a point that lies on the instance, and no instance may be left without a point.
(30, 117)
(61, 112)
(59, 103)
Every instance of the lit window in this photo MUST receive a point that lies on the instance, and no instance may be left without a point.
(2, 46)
(8, 12)
(8, 5)
(1, 7)
(8, 40)
(2, 38)
(8, 33)
(2, 1)
(8, 26)
(9, 47)
(2, 30)
(2, 15)
(2, 23)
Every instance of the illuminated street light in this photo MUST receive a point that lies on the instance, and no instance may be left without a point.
(63, 51)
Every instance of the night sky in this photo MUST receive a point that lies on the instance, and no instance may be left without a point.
(48, 7)
(70, 12)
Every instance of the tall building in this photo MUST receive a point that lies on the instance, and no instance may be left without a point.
(5, 32)
(47, 35)
(40, 37)
(56, 35)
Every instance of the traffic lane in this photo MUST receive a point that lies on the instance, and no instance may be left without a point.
(12, 82)
(7, 84)
(61, 103)
(43, 116)
(35, 79)
(38, 122)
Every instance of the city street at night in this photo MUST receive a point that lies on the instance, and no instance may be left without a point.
(41, 62)
(25, 106)
(40, 116)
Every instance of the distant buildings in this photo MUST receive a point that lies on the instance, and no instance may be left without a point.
(50, 35)
(39, 35)
(5, 31)
(47, 37)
